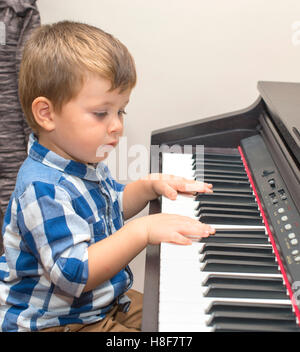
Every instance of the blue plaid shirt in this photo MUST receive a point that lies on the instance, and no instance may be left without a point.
(58, 209)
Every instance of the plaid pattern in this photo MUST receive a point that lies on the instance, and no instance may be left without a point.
(57, 210)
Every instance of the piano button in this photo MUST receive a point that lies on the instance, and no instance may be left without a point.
(246, 266)
(291, 235)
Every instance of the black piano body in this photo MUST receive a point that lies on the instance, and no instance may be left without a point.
(275, 117)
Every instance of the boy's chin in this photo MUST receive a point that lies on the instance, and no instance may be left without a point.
(102, 152)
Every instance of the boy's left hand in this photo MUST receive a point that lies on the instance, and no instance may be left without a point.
(169, 185)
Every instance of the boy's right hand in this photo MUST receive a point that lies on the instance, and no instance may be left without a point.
(174, 229)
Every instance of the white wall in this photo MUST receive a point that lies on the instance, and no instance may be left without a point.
(194, 58)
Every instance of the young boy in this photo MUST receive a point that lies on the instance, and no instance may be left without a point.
(66, 246)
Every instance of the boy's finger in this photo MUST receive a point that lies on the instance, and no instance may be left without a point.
(196, 228)
(196, 186)
(169, 192)
(177, 238)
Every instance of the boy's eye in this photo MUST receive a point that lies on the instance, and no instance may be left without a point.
(105, 113)
(100, 113)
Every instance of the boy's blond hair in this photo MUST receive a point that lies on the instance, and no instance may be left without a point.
(57, 58)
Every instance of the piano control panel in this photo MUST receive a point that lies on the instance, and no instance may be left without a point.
(281, 212)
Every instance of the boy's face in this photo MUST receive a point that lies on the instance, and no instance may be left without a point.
(89, 124)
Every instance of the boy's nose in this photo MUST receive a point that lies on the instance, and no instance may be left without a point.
(116, 125)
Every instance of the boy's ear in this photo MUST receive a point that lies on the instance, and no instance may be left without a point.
(42, 110)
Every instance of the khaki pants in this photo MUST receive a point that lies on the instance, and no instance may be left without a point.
(114, 321)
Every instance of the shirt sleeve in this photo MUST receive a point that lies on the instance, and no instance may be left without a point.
(56, 235)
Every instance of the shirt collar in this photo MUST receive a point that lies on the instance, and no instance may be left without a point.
(47, 157)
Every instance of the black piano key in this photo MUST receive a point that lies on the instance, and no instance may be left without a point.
(219, 157)
(229, 191)
(231, 153)
(225, 198)
(221, 166)
(282, 309)
(271, 282)
(220, 171)
(246, 266)
(245, 286)
(241, 290)
(220, 205)
(219, 210)
(250, 318)
(237, 256)
(217, 181)
(236, 238)
(234, 247)
(271, 310)
(209, 159)
(220, 177)
(227, 219)
(230, 187)
(253, 326)
(204, 164)
(244, 231)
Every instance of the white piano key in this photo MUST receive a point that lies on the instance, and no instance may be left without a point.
(170, 162)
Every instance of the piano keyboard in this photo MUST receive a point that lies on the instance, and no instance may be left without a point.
(229, 281)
